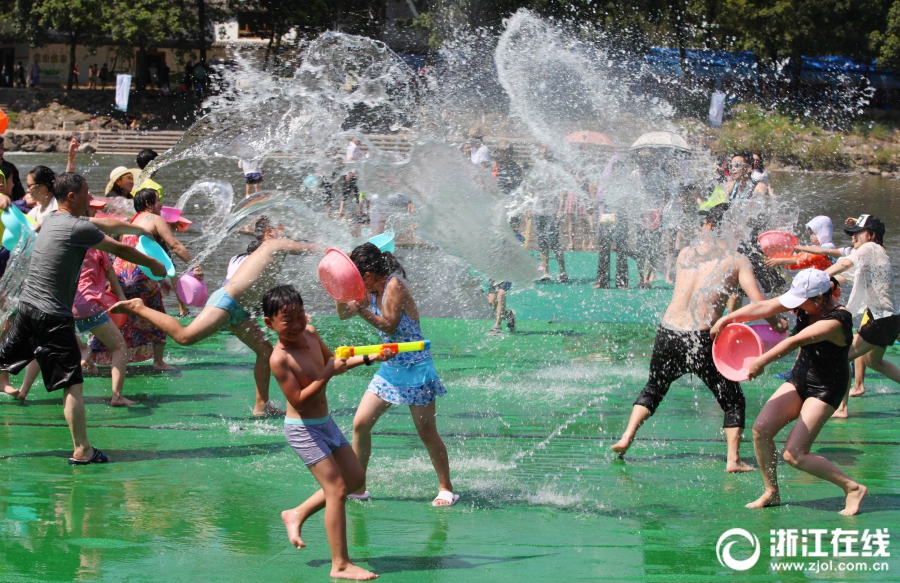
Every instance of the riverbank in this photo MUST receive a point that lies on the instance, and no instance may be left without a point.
(870, 145)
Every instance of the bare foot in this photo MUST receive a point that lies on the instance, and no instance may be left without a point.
(122, 402)
(293, 522)
(623, 445)
(126, 307)
(854, 498)
(351, 571)
(766, 500)
(841, 413)
(11, 391)
(162, 366)
(738, 467)
(270, 409)
(856, 391)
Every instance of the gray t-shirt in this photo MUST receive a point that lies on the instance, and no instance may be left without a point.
(56, 263)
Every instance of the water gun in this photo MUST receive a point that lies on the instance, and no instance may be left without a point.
(396, 347)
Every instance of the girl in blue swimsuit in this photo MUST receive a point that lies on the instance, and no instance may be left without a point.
(408, 379)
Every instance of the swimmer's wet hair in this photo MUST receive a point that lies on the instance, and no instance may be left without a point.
(279, 298)
(260, 227)
(370, 259)
(144, 199)
(65, 183)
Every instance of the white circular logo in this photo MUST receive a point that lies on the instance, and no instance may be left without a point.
(724, 554)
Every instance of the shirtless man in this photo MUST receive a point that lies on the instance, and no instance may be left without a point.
(706, 273)
(226, 308)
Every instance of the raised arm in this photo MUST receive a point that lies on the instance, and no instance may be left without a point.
(131, 254)
(839, 267)
(114, 285)
(822, 330)
(818, 250)
(165, 233)
(748, 283)
(758, 311)
(70, 158)
(394, 298)
(112, 226)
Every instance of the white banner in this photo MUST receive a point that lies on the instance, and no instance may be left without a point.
(123, 88)
(716, 109)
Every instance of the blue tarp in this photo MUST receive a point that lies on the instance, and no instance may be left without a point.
(720, 64)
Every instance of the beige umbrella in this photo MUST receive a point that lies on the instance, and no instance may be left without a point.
(661, 140)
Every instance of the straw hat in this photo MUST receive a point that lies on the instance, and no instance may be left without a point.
(117, 173)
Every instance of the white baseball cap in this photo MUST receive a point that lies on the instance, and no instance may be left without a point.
(809, 283)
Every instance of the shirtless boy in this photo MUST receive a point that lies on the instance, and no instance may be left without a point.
(707, 272)
(303, 365)
(226, 308)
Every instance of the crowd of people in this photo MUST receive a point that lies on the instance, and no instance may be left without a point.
(73, 273)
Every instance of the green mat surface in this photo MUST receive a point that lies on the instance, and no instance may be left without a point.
(197, 485)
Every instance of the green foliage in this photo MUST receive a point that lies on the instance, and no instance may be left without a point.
(779, 137)
(887, 41)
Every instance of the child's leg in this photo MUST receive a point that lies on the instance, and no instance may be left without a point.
(781, 408)
(859, 378)
(371, 407)
(252, 335)
(335, 473)
(207, 322)
(87, 359)
(426, 426)
(159, 362)
(110, 336)
(813, 416)
(875, 361)
(31, 373)
(8, 388)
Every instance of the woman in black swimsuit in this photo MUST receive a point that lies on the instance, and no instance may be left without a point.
(818, 381)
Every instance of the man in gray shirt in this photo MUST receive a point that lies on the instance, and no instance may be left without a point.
(44, 328)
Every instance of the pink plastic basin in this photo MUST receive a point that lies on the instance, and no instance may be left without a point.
(191, 290)
(768, 335)
(774, 242)
(170, 214)
(340, 278)
(108, 300)
(735, 349)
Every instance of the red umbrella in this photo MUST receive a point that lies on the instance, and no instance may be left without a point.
(595, 138)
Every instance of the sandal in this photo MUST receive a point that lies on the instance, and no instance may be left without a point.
(444, 496)
(98, 458)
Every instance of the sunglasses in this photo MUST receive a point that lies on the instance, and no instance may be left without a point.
(738, 164)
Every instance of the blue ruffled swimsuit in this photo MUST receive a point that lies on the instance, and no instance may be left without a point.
(409, 378)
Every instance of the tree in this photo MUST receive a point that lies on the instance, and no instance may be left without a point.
(142, 24)
(80, 22)
(886, 43)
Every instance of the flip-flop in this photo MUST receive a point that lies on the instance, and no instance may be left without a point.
(364, 497)
(98, 458)
(445, 496)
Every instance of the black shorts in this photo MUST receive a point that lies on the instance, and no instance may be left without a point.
(677, 353)
(47, 338)
(547, 228)
(496, 286)
(254, 178)
(881, 332)
(830, 391)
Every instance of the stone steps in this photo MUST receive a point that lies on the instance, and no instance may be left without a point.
(132, 142)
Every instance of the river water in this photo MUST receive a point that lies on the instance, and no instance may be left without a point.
(457, 294)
